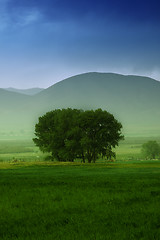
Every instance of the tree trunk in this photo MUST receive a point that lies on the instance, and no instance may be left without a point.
(89, 160)
(83, 158)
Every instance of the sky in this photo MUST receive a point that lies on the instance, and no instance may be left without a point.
(45, 41)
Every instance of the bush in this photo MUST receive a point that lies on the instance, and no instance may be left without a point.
(151, 149)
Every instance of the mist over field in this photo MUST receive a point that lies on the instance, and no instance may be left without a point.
(133, 100)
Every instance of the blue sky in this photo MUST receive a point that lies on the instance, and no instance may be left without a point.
(45, 41)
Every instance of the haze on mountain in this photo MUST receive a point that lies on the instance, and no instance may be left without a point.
(30, 91)
(133, 100)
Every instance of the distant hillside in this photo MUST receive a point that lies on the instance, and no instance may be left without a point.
(134, 101)
(30, 91)
(11, 100)
(13, 114)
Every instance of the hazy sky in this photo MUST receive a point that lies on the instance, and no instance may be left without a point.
(44, 41)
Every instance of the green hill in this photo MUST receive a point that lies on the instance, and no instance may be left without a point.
(134, 101)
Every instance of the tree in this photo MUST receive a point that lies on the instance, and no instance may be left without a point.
(57, 133)
(151, 149)
(71, 133)
(101, 132)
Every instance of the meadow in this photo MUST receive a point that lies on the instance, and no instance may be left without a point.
(25, 151)
(68, 201)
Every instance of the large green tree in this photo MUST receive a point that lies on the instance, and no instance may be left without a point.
(71, 133)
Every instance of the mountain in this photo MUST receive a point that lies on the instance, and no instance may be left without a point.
(13, 111)
(30, 91)
(133, 100)
(6, 98)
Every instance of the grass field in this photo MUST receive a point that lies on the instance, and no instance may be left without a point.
(79, 201)
(67, 201)
(25, 150)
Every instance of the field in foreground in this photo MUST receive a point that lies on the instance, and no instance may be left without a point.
(75, 201)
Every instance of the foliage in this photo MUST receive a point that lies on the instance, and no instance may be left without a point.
(71, 133)
(151, 149)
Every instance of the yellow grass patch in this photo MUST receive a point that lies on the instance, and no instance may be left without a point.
(141, 164)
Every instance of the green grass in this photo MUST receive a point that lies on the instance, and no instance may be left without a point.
(19, 150)
(75, 201)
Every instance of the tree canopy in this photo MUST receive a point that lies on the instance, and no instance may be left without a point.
(72, 133)
(151, 149)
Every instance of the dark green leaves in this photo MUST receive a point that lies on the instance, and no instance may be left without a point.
(71, 133)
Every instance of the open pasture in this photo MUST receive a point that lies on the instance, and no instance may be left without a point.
(19, 150)
(128, 150)
(79, 201)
